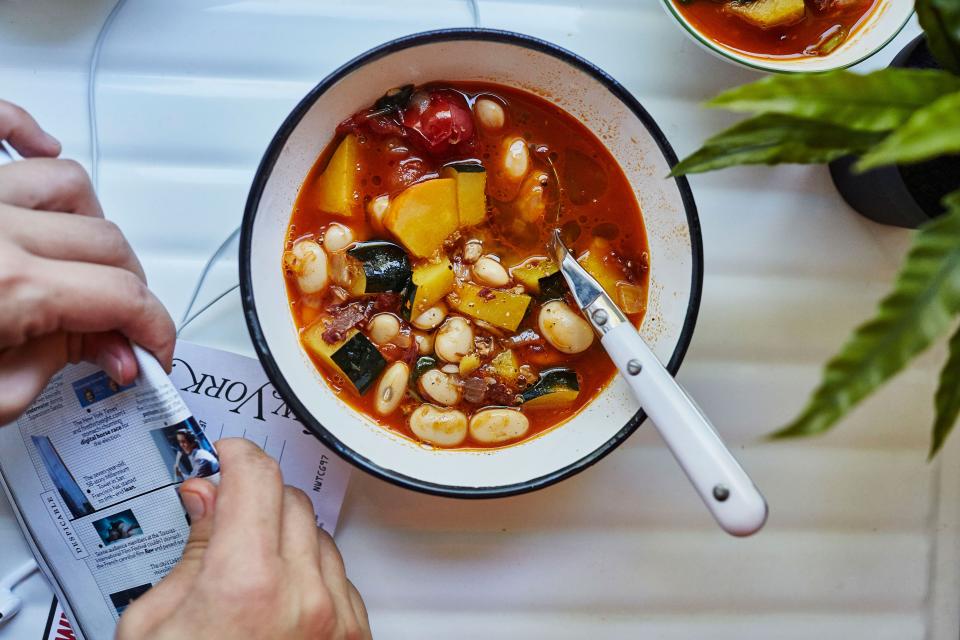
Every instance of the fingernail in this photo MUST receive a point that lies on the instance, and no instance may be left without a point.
(112, 363)
(194, 505)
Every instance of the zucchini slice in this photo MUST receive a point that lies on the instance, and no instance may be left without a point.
(386, 267)
(556, 388)
(354, 357)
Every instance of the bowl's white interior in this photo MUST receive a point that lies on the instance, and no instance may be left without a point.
(614, 123)
(881, 25)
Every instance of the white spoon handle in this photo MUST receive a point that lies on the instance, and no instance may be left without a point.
(724, 486)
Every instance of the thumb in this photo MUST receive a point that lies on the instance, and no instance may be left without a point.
(162, 601)
(199, 497)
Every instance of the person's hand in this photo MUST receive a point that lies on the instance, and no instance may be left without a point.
(255, 567)
(70, 286)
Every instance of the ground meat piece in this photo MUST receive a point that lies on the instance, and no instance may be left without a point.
(342, 319)
(474, 390)
(483, 345)
(486, 294)
(501, 394)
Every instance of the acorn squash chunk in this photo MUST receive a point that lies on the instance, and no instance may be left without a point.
(471, 191)
(556, 388)
(768, 14)
(337, 185)
(431, 281)
(503, 309)
(354, 357)
(424, 215)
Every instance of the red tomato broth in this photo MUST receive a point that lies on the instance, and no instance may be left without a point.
(596, 199)
(798, 40)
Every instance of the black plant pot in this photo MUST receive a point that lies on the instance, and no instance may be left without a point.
(904, 196)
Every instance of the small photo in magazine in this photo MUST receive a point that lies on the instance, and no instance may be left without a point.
(119, 526)
(123, 599)
(73, 496)
(186, 450)
(97, 387)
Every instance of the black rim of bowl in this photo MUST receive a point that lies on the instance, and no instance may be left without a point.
(266, 168)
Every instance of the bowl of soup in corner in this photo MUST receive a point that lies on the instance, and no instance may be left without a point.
(792, 36)
(395, 272)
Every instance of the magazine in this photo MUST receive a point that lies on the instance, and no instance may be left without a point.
(92, 470)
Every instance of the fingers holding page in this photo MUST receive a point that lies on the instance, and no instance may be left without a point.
(24, 134)
(249, 505)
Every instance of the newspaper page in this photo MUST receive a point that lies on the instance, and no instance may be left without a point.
(93, 468)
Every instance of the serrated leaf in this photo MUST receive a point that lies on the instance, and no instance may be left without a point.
(878, 101)
(776, 139)
(940, 20)
(947, 399)
(921, 307)
(930, 132)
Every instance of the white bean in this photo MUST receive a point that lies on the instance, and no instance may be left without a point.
(454, 339)
(431, 318)
(489, 113)
(490, 272)
(424, 343)
(491, 426)
(390, 389)
(383, 328)
(563, 328)
(337, 237)
(442, 427)
(309, 264)
(516, 159)
(472, 251)
(439, 387)
(376, 210)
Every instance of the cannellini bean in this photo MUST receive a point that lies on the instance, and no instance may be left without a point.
(450, 368)
(337, 237)
(490, 272)
(390, 389)
(431, 318)
(454, 339)
(472, 251)
(439, 387)
(491, 426)
(442, 427)
(383, 328)
(489, 113)
(564, 330)
(310, 266)
(424, 343)
(377, 208)
(516, 159)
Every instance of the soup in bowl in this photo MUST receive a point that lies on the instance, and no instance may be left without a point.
(395, 270)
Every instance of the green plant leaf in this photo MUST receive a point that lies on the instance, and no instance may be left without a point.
(921, 307)
(776, 139)
(940, 20)
(947, 399)
(930, 132)
(878, 101)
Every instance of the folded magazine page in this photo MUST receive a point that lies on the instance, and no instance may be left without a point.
(93, 469)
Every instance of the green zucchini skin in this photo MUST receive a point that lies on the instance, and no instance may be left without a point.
(360, 361)
(385, 265)
(423, 364)
(466, 167)
(552, 286)
(552, 381)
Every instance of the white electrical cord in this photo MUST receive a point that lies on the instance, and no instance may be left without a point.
(10, 603)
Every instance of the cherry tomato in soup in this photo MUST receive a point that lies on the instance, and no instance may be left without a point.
(439, 120)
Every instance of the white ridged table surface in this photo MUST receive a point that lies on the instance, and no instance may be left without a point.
(862, 537)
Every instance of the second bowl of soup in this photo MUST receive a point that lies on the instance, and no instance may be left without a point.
(395, 266)
(792, 36)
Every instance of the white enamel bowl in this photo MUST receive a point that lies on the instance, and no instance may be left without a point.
(881, 26)
(573, 84)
